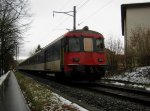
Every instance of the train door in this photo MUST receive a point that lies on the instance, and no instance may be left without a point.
(62, 51)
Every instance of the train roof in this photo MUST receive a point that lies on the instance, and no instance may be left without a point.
(84, 30)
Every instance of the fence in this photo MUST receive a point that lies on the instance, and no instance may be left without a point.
(3, 83)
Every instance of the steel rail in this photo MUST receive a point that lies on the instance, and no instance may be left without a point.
(131, 94)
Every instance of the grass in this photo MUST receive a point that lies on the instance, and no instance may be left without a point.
(39, 97)
(29, 87)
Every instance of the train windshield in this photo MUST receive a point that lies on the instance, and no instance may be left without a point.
(99, 46)
(74, 44)
(77, 44)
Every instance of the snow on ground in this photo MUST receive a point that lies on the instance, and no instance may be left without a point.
(67, 102)
(118, 83)
(2, 78)
(147, 88)
(141, 76)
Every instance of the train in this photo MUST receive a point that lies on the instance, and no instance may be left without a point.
(76, 55)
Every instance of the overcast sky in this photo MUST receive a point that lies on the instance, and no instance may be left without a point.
(103, 16)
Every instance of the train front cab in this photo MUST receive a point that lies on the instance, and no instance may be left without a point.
(84, 56)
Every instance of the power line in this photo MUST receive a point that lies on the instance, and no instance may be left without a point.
(83, 4)
(91, 15)
(68, 17)
(63, 17)
(64, 5)
(68, 13)
(63, 21)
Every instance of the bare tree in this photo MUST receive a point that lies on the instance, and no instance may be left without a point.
(12, 13)
(114, 53)
(140, 43)
(130, 58)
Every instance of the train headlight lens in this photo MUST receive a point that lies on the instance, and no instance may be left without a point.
(100, 60)
(75, 59)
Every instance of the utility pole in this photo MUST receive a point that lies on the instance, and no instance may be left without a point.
(73, 15)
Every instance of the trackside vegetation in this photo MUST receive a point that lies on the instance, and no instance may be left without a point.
(39, 97)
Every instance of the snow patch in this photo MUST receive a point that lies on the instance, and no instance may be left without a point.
(140, 75)
(118, 83)
(2, 78)
(67, 102)
(147, 88)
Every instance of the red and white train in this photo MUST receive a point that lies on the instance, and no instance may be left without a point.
(77, 55)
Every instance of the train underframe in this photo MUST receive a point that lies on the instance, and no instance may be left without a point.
(85, 72)
(75, 72)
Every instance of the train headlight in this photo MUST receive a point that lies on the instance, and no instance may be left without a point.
(75, 59)
(100, 60)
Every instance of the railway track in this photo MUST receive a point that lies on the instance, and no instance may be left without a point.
(127, 93)
(132, 94)
(93, 96)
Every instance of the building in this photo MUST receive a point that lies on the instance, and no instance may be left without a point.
(134, 16)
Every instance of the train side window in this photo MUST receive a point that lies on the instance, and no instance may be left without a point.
(74, 44)
(47, 53)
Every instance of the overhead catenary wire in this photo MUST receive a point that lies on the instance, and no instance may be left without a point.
(83, 4)
(80, 6)
(94, 13)
(91, 15)
(62, 17)
(73, 15)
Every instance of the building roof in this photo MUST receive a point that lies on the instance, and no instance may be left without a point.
(134, 5)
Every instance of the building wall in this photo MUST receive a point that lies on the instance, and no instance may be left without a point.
(135, 17)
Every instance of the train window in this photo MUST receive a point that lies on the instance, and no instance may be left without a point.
(47, 53)
(99, 45)
(74, 44)
(88, 44)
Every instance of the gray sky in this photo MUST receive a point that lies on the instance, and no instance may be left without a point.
(103, 16)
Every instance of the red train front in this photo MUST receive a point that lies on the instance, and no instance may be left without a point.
(84, 55)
